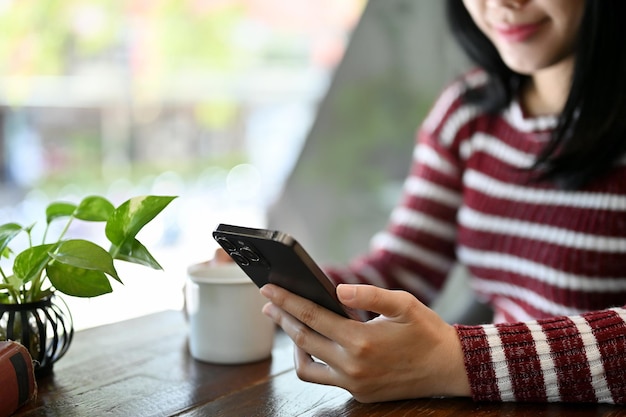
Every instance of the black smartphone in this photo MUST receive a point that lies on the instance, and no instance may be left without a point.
(270, 256)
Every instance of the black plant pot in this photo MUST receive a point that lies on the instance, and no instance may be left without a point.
(45, 327)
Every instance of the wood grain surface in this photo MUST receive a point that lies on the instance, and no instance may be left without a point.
(141, 367)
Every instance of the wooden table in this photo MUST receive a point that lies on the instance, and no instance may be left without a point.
(141, 367)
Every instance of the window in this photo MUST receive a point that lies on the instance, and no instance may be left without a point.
(206, 99)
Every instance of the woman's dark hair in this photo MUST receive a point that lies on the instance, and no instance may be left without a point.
(591, 132)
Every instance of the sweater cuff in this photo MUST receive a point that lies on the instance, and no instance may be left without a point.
(479, 364)
(506, 362)
(569, 359)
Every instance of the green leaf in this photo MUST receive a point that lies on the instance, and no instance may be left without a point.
(94, 209)
(84, 254)
(133, 251)
(4, 298)
(128, 219)
(32, 261)
(78, 282)
(13, 283)
(7, 233)
(59, 209)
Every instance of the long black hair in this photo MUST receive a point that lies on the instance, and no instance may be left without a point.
(591, 132)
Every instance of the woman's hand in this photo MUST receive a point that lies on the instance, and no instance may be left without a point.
(408, 351)
(221, 256)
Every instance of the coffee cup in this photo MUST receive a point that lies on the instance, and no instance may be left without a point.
(223, 306)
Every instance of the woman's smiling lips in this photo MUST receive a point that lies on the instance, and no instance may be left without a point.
(517, 33)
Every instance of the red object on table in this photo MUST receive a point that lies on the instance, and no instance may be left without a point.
(17, 377)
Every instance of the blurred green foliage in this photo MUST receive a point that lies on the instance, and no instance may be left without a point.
(42, 37)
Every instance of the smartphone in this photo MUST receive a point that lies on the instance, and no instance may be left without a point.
(270, 256)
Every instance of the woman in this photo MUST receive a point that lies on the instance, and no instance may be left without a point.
(519, 174)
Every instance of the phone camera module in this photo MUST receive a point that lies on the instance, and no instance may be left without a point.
(241, 260)
(226, 244)
(249, 254)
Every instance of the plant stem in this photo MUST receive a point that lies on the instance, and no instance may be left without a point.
(114, 251)
(15, 295)
(45, 234)
(35, 286)
(12, 293)
(66, 228)
(37, 282)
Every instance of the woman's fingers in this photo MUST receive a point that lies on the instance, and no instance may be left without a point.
(306, 339)
(314, 329)
(323, 321)
(310, 370)
(392, 304)
(407, 352)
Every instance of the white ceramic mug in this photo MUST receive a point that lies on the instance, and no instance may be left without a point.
(226, 324)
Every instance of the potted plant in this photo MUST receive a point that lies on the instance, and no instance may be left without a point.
(31, 311)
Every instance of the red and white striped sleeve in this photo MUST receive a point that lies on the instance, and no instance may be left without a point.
(570, 359)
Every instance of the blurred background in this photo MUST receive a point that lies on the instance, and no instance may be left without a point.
(297, 115)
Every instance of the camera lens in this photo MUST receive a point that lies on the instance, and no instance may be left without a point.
(241, 260)
(226, 244)
(249, 254)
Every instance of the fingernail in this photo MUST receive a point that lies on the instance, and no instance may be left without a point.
(269, 310)
(346, 292)
(267, 292)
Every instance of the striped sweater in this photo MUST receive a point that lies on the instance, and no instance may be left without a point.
(551, 263)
